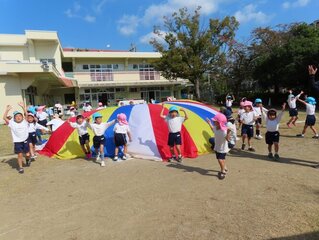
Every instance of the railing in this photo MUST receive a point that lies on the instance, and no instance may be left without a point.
(121, 76)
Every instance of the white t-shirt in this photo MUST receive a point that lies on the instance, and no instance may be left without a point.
(99, 108)
(310, 109)
(87, 108)
(240, 112)
(272, 125)
(258, 111)
(233, 132)
(248, 118)
(56, 123)
(32, 127)
(42, 116)
(58, 106)
(292, 101)
(229, 103)
(221, 144)
(99, 129)
(19, 131)
(82, 128)
(174, 124)
(124, 129)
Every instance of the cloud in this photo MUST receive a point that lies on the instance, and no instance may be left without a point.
(89, 18)
(98, 7)
(155, 12)
(77, 11)
(295, 4)
(128, 24)
(249, 13)
(148, 37)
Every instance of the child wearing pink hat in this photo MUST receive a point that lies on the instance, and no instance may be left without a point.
(248, 118)
(222, 135)
(121, 129)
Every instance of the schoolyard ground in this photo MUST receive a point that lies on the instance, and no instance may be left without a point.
(142, 199)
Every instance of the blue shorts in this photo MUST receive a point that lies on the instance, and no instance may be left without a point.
(247, 130)
(310, 120)
(272, 137)
(21, 147)
(84, 138)
(98, 141)
(293, 112)
(32, 138)
(174, 139)
(221, 156)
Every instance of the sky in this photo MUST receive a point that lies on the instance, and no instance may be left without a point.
(116, 24)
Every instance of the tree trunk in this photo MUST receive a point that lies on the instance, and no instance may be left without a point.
(197, 90)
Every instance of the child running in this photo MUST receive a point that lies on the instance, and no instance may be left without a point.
(293, 111)
(272, 125)
(248, 118)
(20, 134)
(174, 122)
(221, 141)
(232, 132)
(98, 127)
(310, 104)
(33, 126)
(121, 129)
(258, 106)
(81, 126)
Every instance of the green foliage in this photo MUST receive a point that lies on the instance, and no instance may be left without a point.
(191, 49)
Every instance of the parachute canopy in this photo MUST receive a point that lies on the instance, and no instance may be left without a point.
(149, 132)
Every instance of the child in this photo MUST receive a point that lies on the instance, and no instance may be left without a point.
(71, 112)
(81, 126)
(121, 128)
(258, 106)
(42, 120)
(311, 118)
(248, 118)
(221, 137)
(33, 126)
(174, 122)
(272, 125)
(98, 127)
(239, 113)
(293, 112)
(100, 106)
(229, 102)
(55, 123)
(20, 134)
(87, 107)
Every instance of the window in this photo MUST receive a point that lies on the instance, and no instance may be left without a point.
(147, 72)
(133, 89)
(101, 72)
(120, 89)
(85, 67)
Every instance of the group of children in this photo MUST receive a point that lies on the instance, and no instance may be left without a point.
(25, 124)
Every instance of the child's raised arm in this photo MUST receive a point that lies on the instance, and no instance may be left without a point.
(185, 114)
(5, 115)
(302, 101)
(280, 115)
(22, 105)
(162, 112)
(210, 124)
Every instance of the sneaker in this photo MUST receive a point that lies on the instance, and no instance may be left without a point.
(124, 157)
(98, 158)
(179, 158)
(258, 137)
(28, 162)
(170, 159)
(276, 156)
(300, 135)
(315, 137)
(115, 158)
(243, 146)
(270, 155)
(102, 163)
(21, 170)
(221, 175)
(251, 149)
(32, 158)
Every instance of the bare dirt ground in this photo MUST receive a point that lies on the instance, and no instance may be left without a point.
(140, 199)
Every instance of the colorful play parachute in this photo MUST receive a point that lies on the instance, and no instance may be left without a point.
(149, 132)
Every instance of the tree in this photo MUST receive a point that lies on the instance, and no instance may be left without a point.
(189, 49)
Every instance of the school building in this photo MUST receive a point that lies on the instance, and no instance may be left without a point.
(36, 69)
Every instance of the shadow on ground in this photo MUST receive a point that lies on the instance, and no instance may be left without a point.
(305, 236)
